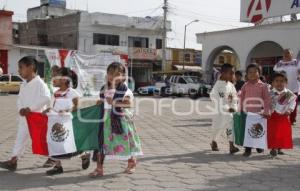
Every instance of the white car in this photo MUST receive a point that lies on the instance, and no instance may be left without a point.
(182, 85)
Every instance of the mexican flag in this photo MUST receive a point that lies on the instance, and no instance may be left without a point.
(54, 134)
(250, 130)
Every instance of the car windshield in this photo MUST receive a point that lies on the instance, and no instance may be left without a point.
(16, 79)
(191, 79)
(4, 78)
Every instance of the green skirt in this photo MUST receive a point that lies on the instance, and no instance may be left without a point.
(123, 146)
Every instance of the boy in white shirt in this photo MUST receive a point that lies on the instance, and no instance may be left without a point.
(225, 96)
(34, 96)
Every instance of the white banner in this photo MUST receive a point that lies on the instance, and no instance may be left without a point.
(255, 131)
(256, 10)
(91, 70)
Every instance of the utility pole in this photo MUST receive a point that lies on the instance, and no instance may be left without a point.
(164, 37)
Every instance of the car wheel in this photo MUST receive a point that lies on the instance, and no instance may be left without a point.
(193, 94)
(164, 92)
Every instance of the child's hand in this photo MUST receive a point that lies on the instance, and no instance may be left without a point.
(109, 100)
(267, 116)
(25, 111)
(22, 112)
(46, 111)
(287, 113)
(99, 102)
(231, 110)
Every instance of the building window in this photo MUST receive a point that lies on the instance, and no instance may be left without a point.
(138, 42)
(187, 57)
(106, 39)
(158, 43)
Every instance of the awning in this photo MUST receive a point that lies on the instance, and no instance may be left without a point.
(189, 68)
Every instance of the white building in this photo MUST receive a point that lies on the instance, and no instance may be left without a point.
(263, 44)
(139, 38)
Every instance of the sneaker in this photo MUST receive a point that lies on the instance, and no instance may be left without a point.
(86, 160)
(273, 153)
(234, 150)
(49, 163)
(9, 165)
(214, 146)
(55, 170)
(280, 152)
(259, 150)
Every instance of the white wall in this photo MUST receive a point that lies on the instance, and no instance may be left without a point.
(87, 27)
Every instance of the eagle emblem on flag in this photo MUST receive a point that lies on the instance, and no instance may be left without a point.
(59, 133)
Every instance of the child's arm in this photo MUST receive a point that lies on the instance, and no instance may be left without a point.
(75, 103)
(242, 99)
(292, 104)
(234, 104)
(125, 103)
(267, 101)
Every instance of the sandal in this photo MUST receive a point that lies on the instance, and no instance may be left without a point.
(98, 172)
(131, 166)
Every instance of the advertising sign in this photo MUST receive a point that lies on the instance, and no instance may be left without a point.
(254, 11)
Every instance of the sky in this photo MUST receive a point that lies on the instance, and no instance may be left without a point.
(213, 15)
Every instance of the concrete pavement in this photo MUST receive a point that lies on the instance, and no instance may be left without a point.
(177, 157)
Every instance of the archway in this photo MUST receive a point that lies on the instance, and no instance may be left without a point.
(266, 54)
(219, 56)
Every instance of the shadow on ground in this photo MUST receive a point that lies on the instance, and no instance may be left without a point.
(278, 178)
(202, 157)
(40, 180)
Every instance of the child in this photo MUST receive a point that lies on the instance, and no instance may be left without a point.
(239, 82)
(279, 125)
(225, 95)
(34, 96)
(119, 133)
(292, 68)
(54, 72)
(64, 102)
(255, 97)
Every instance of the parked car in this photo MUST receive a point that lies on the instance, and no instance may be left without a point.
(146, 90)
(10, 83)
(182, 85)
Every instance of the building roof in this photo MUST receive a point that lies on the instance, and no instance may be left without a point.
(248, 28)
(6, 13)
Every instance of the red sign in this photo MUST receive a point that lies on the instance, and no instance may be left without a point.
(255, 10)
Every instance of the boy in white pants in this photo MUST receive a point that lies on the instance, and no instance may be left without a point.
(34, 96)
(225, 98)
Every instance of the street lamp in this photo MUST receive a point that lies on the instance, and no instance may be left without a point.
(194, 21)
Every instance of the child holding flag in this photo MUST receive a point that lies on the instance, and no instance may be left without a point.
(61, 138)
(120, 138)
(255, 100)
(279, 125)
(225, 95)
(34, 96)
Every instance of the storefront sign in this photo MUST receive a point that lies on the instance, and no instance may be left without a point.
(255, 11)
(143, 54)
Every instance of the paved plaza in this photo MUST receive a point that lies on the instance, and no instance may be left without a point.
(177, 157)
